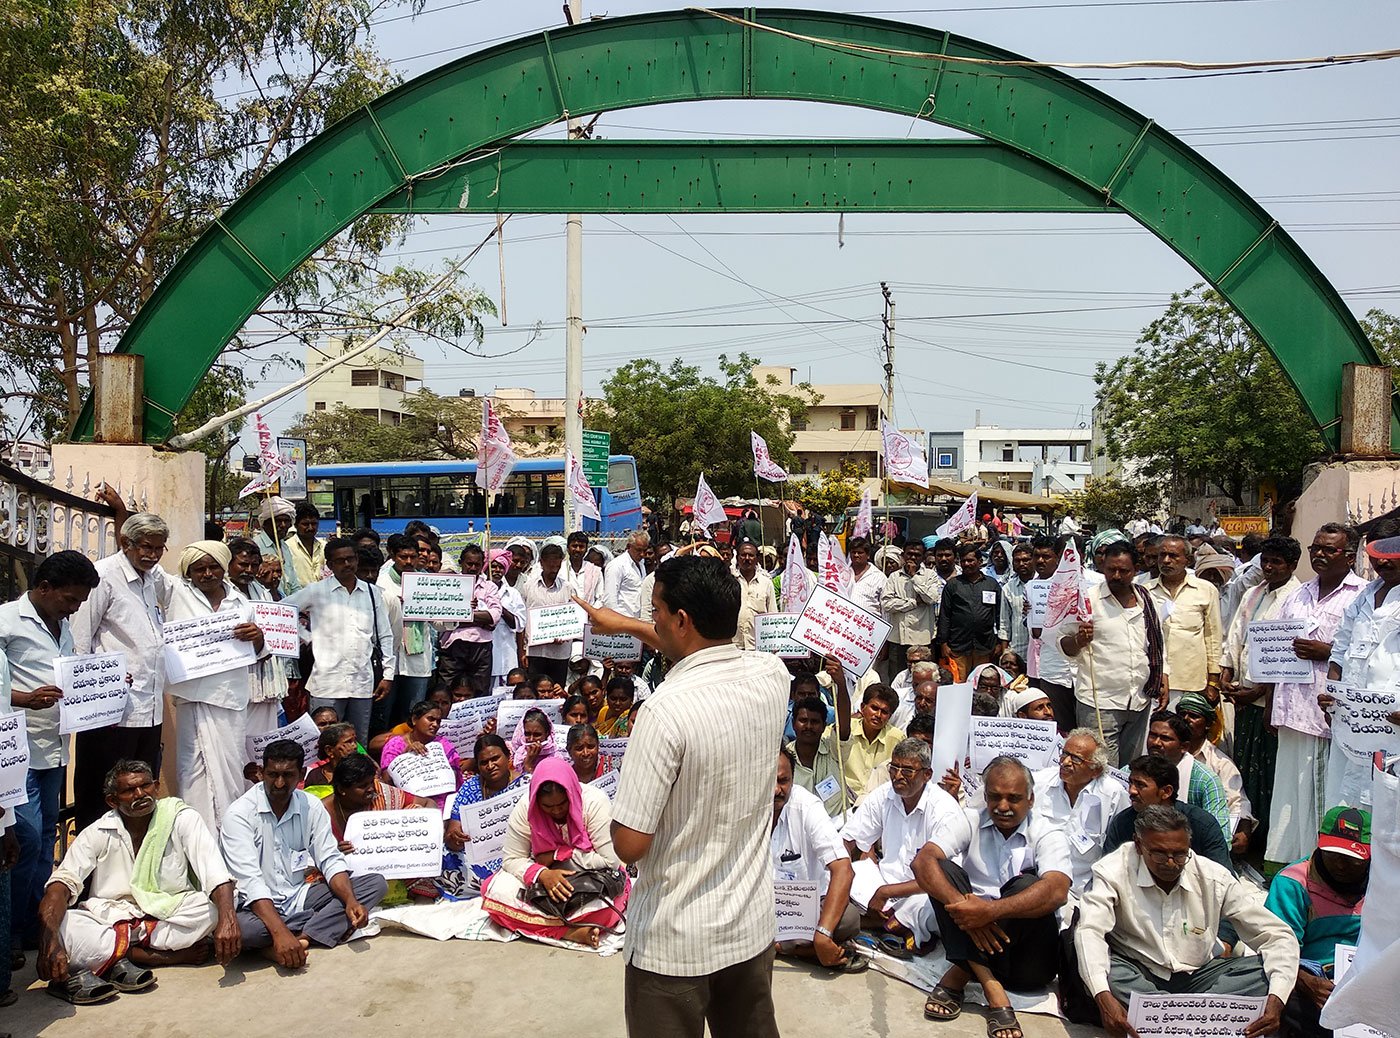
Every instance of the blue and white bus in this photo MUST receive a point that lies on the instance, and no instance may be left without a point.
(386, 495)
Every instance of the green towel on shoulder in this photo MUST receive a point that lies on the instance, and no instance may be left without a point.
(145, 877)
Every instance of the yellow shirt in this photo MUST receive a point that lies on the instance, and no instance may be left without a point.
(1192, 630)
(862, 754)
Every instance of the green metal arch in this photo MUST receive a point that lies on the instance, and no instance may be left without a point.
(482, 101)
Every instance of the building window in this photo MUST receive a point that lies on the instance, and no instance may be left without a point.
(946, 458)
(319, 405)
(872, 419)
(848, 421)
(528, 430)
(799, 425)
(1008, 454)
(551, 432)
(364, 377)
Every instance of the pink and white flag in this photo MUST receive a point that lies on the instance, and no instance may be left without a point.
(764, 467)
(495, 459)
(963, 519)
(585, 507)
(1066, 596)
(832, 568)
(797, 582)
(707, 509)
(906, 461)
(865, 521)
(269, 461)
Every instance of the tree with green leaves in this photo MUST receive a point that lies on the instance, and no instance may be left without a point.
(678, 423)
(434, 428)
(1112, 501)
(831, 492)
(126, 126)
(1201, 398)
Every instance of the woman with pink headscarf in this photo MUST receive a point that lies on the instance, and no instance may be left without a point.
(556, 828)
(508, 638)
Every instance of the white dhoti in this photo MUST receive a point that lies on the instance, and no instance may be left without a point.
(210, 752)
(94, 940)
(262, 718)
(1299, 802)
(1348, 780)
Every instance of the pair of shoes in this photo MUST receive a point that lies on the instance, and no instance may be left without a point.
(84, 988)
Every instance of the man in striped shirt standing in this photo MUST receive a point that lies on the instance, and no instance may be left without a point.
(693, 810)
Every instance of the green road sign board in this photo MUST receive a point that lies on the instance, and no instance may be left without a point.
(596, 447)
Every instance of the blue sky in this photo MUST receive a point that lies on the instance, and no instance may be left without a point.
(1318, 148)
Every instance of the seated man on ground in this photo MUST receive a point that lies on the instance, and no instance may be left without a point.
(556, 830)
(159, 895)
(1081, 798)
(273, 836)
(923, 699)
(1149, 924)
(1320, 898)
(920, 674)
(1153, 780)
(1030, 703)
(868, 739)
(921, 728)
(815, 766)
(997, 898)
(901, 818)
(807, 848)
(1168, 736)
(1202, 716)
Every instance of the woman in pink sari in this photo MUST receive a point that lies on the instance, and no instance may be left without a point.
(559, 826)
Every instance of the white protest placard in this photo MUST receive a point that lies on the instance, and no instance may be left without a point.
(1193, 1016)
(1345, 955)
(1271, 655)
(485, 825)
(798, 906)
(438, 596)
(1361, 720)
(561, 623)
(94, 690)
(1030, 742)
(423, 774)
(511, 712)
(279, 627)
(838, 628)
(772, 632)
(1038, 598)
(613, 748)
(14, 760)
(467, 720)
(303, 730)
(952, 717)
(607, 782)
(395, 844)
(204, 645)
(610, 646)
(1118, 775)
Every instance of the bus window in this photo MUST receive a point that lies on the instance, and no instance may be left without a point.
(622, 477)
(321, 493)
(400, 497)
(454, 495)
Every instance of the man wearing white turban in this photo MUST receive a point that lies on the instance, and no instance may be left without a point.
(212, 711)
(276, 515)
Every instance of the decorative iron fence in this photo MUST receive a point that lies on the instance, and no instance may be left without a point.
(37, 519)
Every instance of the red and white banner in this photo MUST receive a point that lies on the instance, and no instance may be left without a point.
(585, 507)
(833, 570)
(1066, 599)
(764, 467)
(865, 517)
(906, 461)
(797, 583)
(495, 459)
(963, 519)
(707, 509)
(269, 460)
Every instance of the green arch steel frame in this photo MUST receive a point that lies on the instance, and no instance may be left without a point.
(1089, 147)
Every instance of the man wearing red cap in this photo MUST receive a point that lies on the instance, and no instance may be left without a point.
(1320, 897)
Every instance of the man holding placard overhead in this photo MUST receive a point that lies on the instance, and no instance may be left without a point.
(694, 810)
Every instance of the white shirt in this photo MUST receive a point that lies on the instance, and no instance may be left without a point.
(586, 583)
(268, 856)
(420, 664)
(622, 585)
(505, 650)
(191, 863)
(27, 650)
(867, 588)
(1175, 932)
(342, 624)
(539, 595)
(805, 841)
(228, 689)
(881, 818)
(1118, 651)
(123, 614)
(992, 860)
(703, 899)
(1085, 822)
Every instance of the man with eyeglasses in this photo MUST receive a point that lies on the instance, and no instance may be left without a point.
(1080, 797)
(1150, 920)
(1304, 731)
(124, 614)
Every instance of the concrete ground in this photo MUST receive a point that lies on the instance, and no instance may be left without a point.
(397, 984)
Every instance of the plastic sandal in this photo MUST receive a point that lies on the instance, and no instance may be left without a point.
(82, 989)
(127, 977)
(1003, 1018)
(945, 999)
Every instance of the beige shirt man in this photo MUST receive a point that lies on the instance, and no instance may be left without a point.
(1191, 625)
(758, 597)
